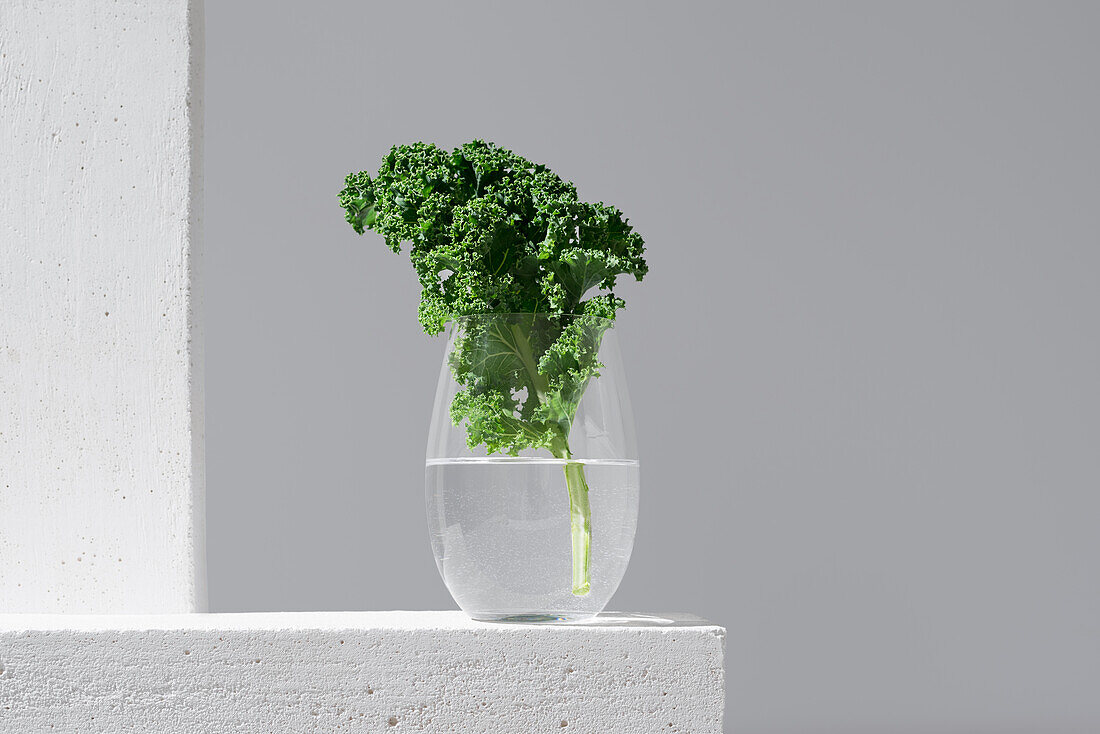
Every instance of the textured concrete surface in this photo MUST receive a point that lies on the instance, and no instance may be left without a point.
(101, 458)
(358, 672)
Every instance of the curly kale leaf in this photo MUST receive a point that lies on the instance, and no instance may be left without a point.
(490, 232)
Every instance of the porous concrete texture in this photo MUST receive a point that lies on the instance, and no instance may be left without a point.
(358, 672)
(101, 453)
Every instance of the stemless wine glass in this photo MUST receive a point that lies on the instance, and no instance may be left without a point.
(544, 535)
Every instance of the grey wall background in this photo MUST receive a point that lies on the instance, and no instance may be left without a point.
(864, 366)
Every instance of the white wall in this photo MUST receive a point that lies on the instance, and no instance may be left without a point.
(101, 427)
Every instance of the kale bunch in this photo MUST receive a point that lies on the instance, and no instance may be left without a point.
(490, 232)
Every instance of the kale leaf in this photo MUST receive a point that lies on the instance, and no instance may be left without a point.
(490, 232)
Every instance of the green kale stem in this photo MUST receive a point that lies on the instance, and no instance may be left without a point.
(580, 517)
(580, 525)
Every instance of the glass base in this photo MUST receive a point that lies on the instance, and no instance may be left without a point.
(540, 618)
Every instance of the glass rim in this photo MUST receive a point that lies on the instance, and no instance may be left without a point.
(529, 314)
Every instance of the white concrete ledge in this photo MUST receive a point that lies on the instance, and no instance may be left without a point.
(358, 672)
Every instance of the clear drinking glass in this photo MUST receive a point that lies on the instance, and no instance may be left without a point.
(544, 535)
